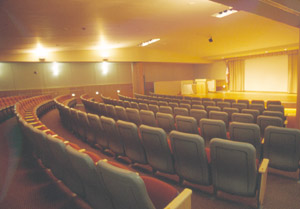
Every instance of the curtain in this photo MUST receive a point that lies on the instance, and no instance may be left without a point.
(292, 73)
(236, 75)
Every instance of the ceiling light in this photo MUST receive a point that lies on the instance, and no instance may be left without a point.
(224, 13)
(146, 43)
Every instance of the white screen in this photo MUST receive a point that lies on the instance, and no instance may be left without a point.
(267, 74)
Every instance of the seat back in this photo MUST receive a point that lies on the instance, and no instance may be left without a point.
(126, 188)
(223, 104)
(132, 142)
(245, 101)
(153, 108)
(208, 103)
(198, 106)
(186, 124)
(233, 167)
(114, 141)
(181, 111)
(165, 121)
(95, 131)
(143, 106)
(276, 108)
(253, 112)
(212, 108)
(173, 104)
(133, 116)
(157, 149)
(148, 118)
(198, 114)
(258, 101)
(166, 109)
(134, 105)
(242, 118)
(231, 101)
(111, 112)
(274, 113)
(264, 121)
(102, 109)
(84, 166)
(230, 111)
(273, 102)
(83, 124)
(191, 162)
(217, 115)
(246, 132)
(257, 106)
(212, 129)
(239, 106)
(282, 147)
(121, 113)
(185, 105)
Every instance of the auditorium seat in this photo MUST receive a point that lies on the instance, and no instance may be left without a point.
(198, 106)
(112, 136)
(242, 118)
(208, 103)
(257, 106)
(95, 132)
(83, 124)
(162, 103)
(245, 101)
(239, 106)
(185, 105)
(258, 101)
(191, 159)
(143, 106)
(231, 101)
(198, 114)
(153, 108)
(74, 121)
(157, 149)
(253, 112)
(181, 111)
(274, 113)
(282, 147)
(212, 129)
(186, 124)
(223, 104)
(165, 121)
(102, 109)
(121, 113)
(246, 132)
(230, 111)
(94, 190)
(217, 115)
(216, 100)
(234, 169)
(264, 121)
(212, 108)
(276, 108)
(128, 190)
(196, 102)
(273, 102)
(133, 115)
(166, 109)
(134, 105)
(111, 112)
(126, 104)
(132, 143)
(68, 175)
(173, 105)
(148, 118)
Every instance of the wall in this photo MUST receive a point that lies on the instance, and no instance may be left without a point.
(215, 70)
(168, 71)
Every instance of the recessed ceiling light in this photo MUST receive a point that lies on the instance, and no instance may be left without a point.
(146, 43)
(224, 13)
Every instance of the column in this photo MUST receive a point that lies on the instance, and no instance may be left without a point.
(137, 72)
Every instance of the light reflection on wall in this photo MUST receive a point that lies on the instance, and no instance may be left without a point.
(55, 69)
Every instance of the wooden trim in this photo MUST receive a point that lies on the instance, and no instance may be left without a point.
(182, 201)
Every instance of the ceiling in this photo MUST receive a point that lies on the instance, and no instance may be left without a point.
(80, 30)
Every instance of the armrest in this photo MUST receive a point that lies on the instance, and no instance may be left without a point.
(263, 171)
(182, 201)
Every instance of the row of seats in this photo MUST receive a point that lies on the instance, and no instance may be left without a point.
(93, 174)
(268, 128)
(7, 106)
(190, 120)
(183, 154)
(164, 97)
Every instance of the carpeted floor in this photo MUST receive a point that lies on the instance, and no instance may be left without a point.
(25, 184)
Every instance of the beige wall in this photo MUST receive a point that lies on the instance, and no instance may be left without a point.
(168, 71)
(17, 76)
(215, 70)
